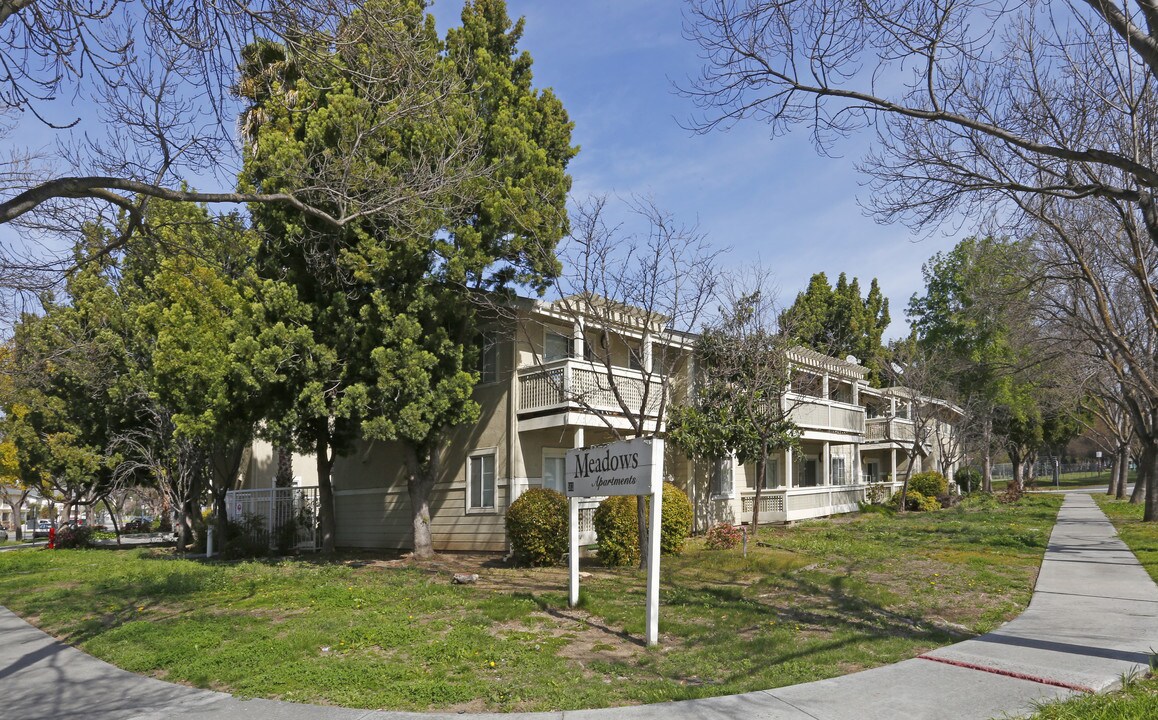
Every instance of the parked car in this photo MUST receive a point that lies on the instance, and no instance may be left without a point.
(42, 529)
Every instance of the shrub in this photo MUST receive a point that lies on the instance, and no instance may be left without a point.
(622, 544)
(537, 527)
(930, 484)
(246, 539)
(618, 531)
(968, 479)
(915, 500)
(723, 536)
(676, 517)
(74, 536)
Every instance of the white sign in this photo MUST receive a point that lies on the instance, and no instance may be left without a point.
(631, 467)
(626, 467)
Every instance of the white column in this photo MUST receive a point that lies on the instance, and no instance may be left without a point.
(824, 386)
(655, 529)
(858, 465)
(893, 475)
(578, 340)
(573, 554)
(646, 353)
(826, 465)
(788, 476)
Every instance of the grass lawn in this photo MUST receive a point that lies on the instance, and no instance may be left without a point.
(1139, 699)
(816, 600)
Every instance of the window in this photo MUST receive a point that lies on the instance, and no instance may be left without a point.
(554, 463)
(722, 478)
(488, 359)
(480, 486)
(772, 474)
(557, 346)
(836, 475)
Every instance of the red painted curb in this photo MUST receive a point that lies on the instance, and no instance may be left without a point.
(1010, 673)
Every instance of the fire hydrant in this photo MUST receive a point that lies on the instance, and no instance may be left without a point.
(51, 538)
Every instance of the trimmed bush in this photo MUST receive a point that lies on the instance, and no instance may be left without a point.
(723, 536)
(618, 531)
(968, 479)
(930, 484)
(537, 527)
(676, 520)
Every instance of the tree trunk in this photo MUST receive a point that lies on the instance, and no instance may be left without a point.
(113, 519)
(1150, 514)
(1015, 459)
(1145, 469)
(325, 463)
(761, 468)
(987, 459)
(1123, 472)
(1115, 467)
(419, 484)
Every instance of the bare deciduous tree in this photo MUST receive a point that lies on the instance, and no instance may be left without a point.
(658, 281)
(1013, 111)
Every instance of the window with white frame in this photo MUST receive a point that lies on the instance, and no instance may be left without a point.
(837, 475)
(772, 474)
(480, 482)
(722, 478)
(488, 360)
(554, 462)
(557, 346)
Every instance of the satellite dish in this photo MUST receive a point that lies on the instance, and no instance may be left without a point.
(852, 359)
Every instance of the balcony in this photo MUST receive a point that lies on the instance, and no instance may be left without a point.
(567, 385)
(815, 413)
(885, 431)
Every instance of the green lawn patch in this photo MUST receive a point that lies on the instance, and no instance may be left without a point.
(1140, 536)
(817, 600)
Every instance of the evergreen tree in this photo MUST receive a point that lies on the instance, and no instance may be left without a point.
(839, 322)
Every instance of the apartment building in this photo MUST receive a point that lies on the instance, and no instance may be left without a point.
(565, 374)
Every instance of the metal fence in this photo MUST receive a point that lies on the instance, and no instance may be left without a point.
(285, 518)
(1045, 469)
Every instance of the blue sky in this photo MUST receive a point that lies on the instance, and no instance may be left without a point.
(614, 64)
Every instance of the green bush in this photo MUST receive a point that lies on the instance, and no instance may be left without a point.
(621, 546)
(968, 479)
(676, 516)
(246, 539)
(618, 531)
(537, 527)
(723, 536)
(930, 484)
(915, 500)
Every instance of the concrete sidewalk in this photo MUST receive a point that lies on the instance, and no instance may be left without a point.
(1093, 619)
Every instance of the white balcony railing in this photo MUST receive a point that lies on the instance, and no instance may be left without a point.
(893, 429)
(821, 414)
(580, 384)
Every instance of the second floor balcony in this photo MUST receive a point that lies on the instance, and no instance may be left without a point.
(887, 430)
(584, 386)
(813, 413)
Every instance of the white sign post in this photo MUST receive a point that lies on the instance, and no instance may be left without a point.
(629, 467)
